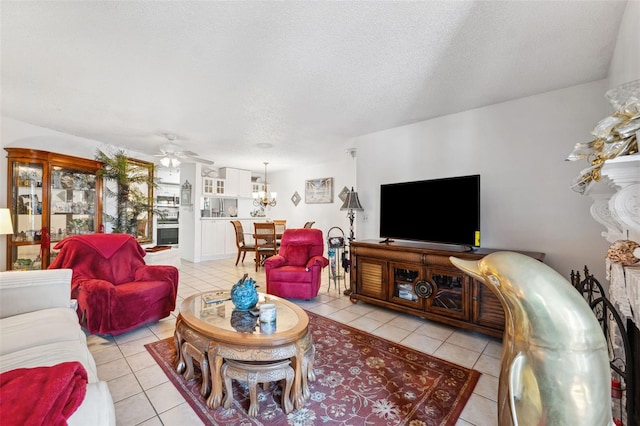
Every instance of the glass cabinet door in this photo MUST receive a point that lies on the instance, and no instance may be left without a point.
(207, 186)
(73, 204)
(220, 186)
(451, 293)
(26, 207)
(404, 279)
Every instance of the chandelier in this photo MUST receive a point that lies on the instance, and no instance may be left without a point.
(261, 198)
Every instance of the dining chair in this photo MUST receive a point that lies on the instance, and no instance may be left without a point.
(281, 225)
(264, 235)
(242, 246)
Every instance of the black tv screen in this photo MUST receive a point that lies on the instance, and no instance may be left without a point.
(443, 210)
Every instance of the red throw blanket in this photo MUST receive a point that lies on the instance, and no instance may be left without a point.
(105, 244)
(110, 257)
(42, 395)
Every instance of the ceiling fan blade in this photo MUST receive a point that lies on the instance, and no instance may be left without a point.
(173, 150)
(199, 160)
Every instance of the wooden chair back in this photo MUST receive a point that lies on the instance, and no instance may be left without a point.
(264, 235)
(242, 246)
(237, 226)
(281, 225)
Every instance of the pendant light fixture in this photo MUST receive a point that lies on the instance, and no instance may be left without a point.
(261, 198)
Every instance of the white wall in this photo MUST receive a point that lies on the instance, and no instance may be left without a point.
(625, 63)
(518, 148)
(342, 169)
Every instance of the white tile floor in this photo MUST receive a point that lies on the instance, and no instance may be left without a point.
(144, 396)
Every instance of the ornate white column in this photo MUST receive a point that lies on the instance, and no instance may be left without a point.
(617, 198)
(617, 207)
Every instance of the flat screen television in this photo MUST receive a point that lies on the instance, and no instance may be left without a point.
(445, 211)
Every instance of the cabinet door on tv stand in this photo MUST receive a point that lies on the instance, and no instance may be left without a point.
(403, 279)
(486, 309)
(451, 293)
(372, 278)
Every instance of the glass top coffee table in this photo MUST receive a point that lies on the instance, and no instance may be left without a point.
(209, 329)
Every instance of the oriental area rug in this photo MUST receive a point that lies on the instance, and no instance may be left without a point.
(360, 380)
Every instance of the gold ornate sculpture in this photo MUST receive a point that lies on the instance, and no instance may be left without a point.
(623, 252)
(555, 364)
(615, 135)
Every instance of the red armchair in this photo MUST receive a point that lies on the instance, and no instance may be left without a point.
(295, 272)
(115, 289)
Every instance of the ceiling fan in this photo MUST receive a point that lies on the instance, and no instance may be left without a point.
(173, 154)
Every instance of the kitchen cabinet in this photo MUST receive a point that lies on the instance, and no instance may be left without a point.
(421, 280)
(213, 186)
(213, 239)
(218, 237)
(50, 196)
(238, 182)
(256, 187)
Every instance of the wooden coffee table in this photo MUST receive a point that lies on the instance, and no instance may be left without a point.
(215, 331)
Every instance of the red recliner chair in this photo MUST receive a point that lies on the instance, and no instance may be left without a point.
(295, 272)
(116, 291)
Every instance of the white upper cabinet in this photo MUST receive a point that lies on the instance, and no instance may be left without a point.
(237, 182)
(213, 186)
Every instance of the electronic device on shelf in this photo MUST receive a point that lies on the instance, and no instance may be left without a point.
(451, 215)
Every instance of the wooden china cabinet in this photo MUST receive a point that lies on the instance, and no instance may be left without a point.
(50, 196)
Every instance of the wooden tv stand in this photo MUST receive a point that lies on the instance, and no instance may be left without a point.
(419, 279)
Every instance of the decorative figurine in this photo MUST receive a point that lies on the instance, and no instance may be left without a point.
(555, 363)
(244, 294)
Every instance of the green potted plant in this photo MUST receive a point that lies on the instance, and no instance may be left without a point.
(131, 178)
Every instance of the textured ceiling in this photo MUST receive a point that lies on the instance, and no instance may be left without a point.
(225, 77)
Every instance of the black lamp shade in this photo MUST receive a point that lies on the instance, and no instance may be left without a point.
(352, 202)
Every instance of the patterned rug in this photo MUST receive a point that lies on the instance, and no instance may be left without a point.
(360, 380)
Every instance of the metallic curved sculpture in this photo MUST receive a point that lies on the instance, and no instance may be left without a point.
(555, 364)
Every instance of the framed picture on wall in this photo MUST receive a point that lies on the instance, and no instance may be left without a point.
(343, 194)
(318, 191)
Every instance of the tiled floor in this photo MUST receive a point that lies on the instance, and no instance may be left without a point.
(144, 396)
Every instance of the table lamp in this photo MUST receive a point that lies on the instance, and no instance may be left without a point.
(351, 203)
(6, 226)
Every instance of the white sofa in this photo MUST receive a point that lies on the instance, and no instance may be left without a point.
(38, 328)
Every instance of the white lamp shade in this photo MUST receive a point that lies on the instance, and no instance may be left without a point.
(6, 226)
(170, 161)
